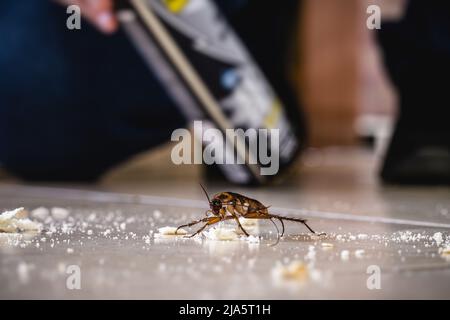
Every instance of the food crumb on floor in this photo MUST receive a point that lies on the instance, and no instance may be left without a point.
(59, 213)
(253, 239)
(445, 252)
(438, 238)
(363, 236)
(296, 271)
(221, 233)
(40, 213)
(16, 220)
(170, 231)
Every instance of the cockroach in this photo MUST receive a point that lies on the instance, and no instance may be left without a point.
(231, 206)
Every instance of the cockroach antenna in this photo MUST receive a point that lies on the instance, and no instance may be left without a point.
(206, 193)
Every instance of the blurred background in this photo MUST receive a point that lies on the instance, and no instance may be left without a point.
(349, 101)
(336, 65)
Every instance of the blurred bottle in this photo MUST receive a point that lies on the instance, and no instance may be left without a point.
(212, 77)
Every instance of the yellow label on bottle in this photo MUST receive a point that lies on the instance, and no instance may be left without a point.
(175, 6)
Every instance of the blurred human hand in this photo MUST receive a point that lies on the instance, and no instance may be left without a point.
(98, 12)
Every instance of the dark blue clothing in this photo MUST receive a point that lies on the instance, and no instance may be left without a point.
(73, 103)
(417, 55)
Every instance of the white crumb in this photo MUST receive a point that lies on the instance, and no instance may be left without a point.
(69, 250)
(59, 213)
(362, 236)
(327, 245)
(27, 225)
(170, 231)
(253, 239)
(345, 255)
(13, 222)
(438, 238)
(221, 234)
(445, 252)
(40, 213)
(295, 271)
(8, 215)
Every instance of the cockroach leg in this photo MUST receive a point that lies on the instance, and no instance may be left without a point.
(198, 231)
(278, 233)
(210, 221)
(303, 221)
(306, 225)
(239, 224)
(282, 225)
(191, 224)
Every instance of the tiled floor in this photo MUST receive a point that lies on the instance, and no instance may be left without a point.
(393, 232)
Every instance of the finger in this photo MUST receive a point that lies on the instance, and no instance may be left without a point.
(100, 13)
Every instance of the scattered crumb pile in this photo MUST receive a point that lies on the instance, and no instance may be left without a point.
(59, 213)
(221, 233)
(16, 221)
